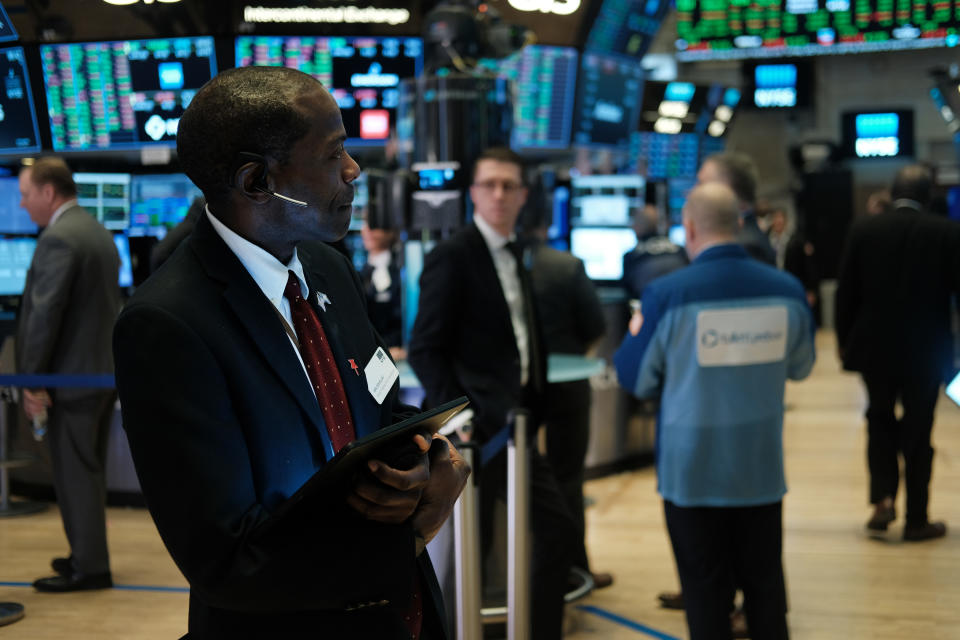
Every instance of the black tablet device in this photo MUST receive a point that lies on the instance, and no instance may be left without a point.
(393, 445)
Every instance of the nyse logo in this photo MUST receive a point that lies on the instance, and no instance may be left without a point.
(156, 127)
(559, 7)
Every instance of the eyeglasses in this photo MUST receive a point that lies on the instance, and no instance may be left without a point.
(509, 188)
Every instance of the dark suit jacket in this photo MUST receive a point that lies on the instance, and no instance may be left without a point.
(755, 241)
(383, 307)
(567, 301)
(224, 427)
(70, 301)
(462, 341)
(893, 297)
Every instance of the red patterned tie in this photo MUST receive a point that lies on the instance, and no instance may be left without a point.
(321, 367)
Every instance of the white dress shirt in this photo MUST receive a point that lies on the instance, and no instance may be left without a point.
(506, 265)
(269, 273)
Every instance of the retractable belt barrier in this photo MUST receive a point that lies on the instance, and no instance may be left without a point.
(9, 460)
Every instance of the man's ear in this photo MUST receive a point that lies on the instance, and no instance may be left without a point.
(250, 179)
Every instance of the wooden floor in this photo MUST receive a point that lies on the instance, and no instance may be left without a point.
(841, 584)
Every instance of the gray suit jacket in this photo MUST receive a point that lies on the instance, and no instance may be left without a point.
(70, 300)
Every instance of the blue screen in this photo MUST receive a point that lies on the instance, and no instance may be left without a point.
(13, 218)
(125, 278)
(18, 119)
(679, 91)
(7, 31)
(878, 135)
(158, 203)
(15, 257)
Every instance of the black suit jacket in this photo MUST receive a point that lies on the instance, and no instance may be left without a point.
(384, 307)
(224, 426)
(462, 341)
(897, 274)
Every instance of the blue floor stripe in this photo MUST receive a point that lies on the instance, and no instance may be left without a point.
(630, 624)
(122, 587)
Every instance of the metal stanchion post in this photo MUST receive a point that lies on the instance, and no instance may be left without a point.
(466, 532)
(7, 461)
(518, 527)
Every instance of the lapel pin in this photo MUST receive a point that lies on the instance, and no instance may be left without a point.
(323, 301)
(353, 365)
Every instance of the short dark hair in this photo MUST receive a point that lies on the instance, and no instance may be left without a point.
(913, 182)
(740, 172)
(499, 154)
(53, 171)
(244, 109)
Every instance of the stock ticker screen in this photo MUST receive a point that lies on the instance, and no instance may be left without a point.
(544, 79)
(726, 29)
(608, 100)
(362, 73)
(18, 119)
(626, 27)
(123, 94)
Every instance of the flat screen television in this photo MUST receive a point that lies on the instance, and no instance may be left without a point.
(608, 100)
(362, 73)
(14, 219)
(602, 249)
(7, 31)
(778, 84)
(626, 27)
(158, 202)
(722, 29)
(106, 196)
(122, 94)
(661, 156)
(15, 257)
(674, 107)
(544, 82)
(605, 200)
(876, 133)
(18, 118)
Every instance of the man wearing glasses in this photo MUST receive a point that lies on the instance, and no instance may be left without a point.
(476, 334)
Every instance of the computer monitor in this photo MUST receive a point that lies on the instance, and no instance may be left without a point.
(106, 196)
(605, 200)
(18, 118)
(158, 203)
(14, 219)
(677, 190)
(602, 249)
(662, 156)
(674, 107)
(544, 79)
(363, 74)
(875, 133)
(125, 278)
(678, 235)
(15, 257)
(626, 27)
(608, 100)
(122, 94)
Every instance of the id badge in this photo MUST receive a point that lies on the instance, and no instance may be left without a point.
(381, 373)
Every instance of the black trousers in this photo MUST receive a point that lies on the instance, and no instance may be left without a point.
(717, 548)
(909, 436)
(566, 417)
(553, 544)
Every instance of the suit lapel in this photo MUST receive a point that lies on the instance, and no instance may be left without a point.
(339, 321)
(257, 315)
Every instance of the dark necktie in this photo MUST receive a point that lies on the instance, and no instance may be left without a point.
(328, 386)
(321, 367)
(535, 379)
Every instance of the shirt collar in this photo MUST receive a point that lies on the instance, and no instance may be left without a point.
(493, 239)
(379, 260)
(59, 212)
(269, 273)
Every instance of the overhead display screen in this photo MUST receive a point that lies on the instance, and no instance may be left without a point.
(124, 94)
(674, 107)
(7, 31)
(626, 27)
(725, 29)
(362, 73)
(608, 99)
(544, 79)
(18, 119)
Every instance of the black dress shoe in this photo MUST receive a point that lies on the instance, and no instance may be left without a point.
(670, 600)
(73, 582)
(882, 516)
(10, 612)
(927, 531)
(63, 566)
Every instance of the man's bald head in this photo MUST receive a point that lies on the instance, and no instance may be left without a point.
(711, 215)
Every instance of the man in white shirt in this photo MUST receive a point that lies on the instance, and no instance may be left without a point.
(477, 334)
